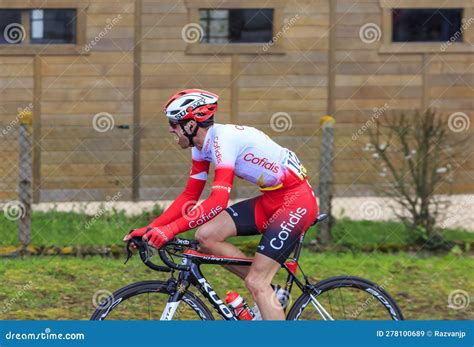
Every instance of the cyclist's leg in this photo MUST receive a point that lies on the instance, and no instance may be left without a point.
(292, 212)
(258, 282)
(236, 220)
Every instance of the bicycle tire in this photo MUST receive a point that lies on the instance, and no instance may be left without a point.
(145, 287)
(346, 281)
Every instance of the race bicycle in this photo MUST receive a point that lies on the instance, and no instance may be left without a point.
(341, 297)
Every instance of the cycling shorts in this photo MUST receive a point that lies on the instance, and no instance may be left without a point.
(281, 216)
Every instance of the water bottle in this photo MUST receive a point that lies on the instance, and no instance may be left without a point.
(238, 306)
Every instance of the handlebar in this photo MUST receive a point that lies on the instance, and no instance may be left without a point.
(146, 253)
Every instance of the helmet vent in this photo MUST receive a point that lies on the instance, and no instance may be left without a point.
(185, 102)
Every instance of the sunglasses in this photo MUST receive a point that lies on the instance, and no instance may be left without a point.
(173, 124)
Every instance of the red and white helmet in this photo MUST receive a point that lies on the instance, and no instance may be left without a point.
(196, 104)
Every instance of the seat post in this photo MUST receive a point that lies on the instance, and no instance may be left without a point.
(298, 247)
(296, 255)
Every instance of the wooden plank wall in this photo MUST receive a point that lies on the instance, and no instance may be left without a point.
(166, 69)
(77, 162)
(450, 89)
(16, 93)
(367, 81)
(294, 83)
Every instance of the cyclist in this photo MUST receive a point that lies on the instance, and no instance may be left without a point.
(285, 208)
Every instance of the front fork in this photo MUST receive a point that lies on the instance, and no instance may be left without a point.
(177, 288)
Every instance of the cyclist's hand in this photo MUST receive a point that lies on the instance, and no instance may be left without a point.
(158, 236)
(136, 233)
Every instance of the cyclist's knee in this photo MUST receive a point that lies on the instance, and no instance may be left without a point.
(216, 230)
(206, 235)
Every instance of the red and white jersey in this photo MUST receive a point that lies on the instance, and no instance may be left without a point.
(252, 155)
(235, 150)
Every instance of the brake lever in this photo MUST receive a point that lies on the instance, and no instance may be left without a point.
(142, 248)
(129, 251)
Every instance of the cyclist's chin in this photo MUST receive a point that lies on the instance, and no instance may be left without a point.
(183, 143)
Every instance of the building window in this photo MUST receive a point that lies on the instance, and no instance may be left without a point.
(236, 25)
(425, 25)
(38, 26)
(53, 26)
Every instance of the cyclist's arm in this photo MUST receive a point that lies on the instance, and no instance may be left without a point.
(189, 197)
(224, 156)
(217, 202)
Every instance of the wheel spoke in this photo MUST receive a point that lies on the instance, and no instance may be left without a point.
(330, 305)
(149, 306)
(342, 300)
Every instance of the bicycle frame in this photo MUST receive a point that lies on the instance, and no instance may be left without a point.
(194, 277)
(190, 273)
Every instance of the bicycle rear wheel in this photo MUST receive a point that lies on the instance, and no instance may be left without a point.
(146, 301)
(346, 298)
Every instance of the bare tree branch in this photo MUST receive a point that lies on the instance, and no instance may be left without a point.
(413, 147)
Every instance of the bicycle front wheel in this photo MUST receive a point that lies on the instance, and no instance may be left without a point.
(345, 298)
(146, 301)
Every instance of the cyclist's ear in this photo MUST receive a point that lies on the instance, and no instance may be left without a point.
(190, 126)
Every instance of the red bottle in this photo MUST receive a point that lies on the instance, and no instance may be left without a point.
(239, 306)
